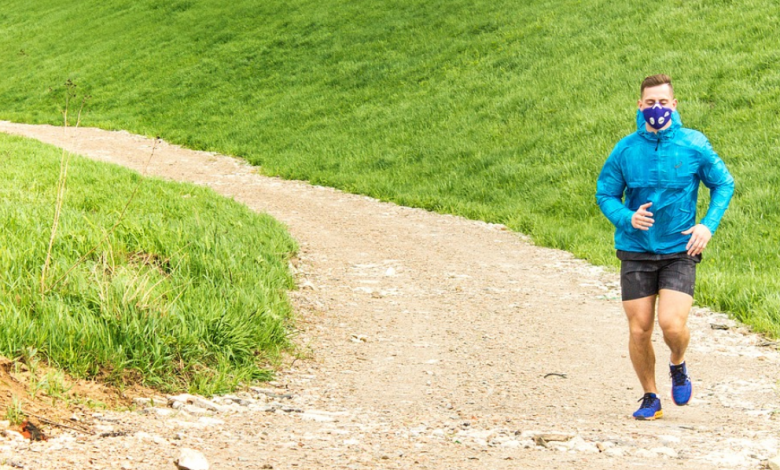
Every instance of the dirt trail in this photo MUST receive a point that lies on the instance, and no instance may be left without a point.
(431, 338)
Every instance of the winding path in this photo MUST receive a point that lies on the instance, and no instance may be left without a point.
(431, 338)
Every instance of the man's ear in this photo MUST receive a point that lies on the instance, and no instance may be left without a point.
(674, 103)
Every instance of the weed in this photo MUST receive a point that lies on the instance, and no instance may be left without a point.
(13, 412)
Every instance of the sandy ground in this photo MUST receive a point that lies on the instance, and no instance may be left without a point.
(431, 339)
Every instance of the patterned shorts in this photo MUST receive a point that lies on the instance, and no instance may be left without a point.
(642, 278)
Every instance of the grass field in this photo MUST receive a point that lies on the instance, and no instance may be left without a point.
(187, 293)
(495, 110)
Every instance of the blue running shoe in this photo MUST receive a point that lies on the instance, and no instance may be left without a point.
(682, 388)
(650, 408)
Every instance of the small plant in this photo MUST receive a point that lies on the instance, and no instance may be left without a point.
(53, 384)
(29, 357)
(70, 93)
(13, 412)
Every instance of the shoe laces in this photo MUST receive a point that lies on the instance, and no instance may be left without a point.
(679, 377)
(648, 399)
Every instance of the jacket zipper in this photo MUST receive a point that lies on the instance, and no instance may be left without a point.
(658, 141)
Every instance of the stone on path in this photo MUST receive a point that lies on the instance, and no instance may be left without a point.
(191, 459)
(774, 463)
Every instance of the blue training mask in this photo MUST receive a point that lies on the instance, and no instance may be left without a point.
(657, 116)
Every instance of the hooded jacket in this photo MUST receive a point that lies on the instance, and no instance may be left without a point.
(664, 168)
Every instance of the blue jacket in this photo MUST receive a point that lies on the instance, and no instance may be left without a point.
(665, 169)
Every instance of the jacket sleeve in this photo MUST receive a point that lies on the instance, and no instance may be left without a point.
(609, 193)
(715, 176)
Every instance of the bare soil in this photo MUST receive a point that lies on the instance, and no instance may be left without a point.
(436, 342)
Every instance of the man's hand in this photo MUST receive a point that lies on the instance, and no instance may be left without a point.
(642, 219)
(700, 235)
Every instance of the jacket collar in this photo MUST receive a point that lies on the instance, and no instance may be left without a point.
(665, 134)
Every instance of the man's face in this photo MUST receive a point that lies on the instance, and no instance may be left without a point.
(661, 94)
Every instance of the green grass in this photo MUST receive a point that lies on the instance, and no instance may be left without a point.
(495, 110)
(189, 292)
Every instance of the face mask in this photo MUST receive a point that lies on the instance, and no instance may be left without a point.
(657, 116)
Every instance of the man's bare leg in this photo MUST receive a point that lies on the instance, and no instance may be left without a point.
(673, 309)
(641, 315)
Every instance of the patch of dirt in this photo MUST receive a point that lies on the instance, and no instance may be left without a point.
(51, 399)
(436, 342)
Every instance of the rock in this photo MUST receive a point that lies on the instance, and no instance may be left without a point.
(196, 410)
(543, 439)
(207, 404)
(579, 444)
(210, 422)
(359, 338)
(13, 435)
(5, 424)
(316, 417)
(667, 451)
(140, 401)
(615, 452)
(161, 411)
(774, 463)
(191, 459)
(645, 454)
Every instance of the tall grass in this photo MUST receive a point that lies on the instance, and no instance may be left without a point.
(188, 292)
(495, 110)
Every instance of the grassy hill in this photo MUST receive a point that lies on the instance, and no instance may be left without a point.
(496, 110)
(187, 293)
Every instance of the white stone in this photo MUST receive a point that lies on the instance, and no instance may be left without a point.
(316, 417)
(13, 435)
(667, 451)
(191, 459)
(774, 463)
(140, 401)
(162, 411)
(511, 444)
(196, 410)
(645, 454)
(208, 404)
(615, 452)
(210, 421)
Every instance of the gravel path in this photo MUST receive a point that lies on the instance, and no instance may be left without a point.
(431, 342)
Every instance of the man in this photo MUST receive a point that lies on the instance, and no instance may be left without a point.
(648, 189)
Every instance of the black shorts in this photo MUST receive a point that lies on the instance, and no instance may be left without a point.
(644, 274)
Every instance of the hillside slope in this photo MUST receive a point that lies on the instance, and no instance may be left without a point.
(491, 110)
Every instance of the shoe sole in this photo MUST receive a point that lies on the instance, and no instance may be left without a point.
(658, 415)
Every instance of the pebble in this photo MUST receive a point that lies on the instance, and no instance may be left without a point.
(774, 463)
(191, 459)
(667, 451)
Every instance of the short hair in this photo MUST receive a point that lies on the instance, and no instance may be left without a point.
(656, 80)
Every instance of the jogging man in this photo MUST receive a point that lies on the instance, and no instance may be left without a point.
(648, 190)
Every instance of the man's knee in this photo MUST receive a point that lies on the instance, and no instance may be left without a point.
(673, 328)
(641, 333)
